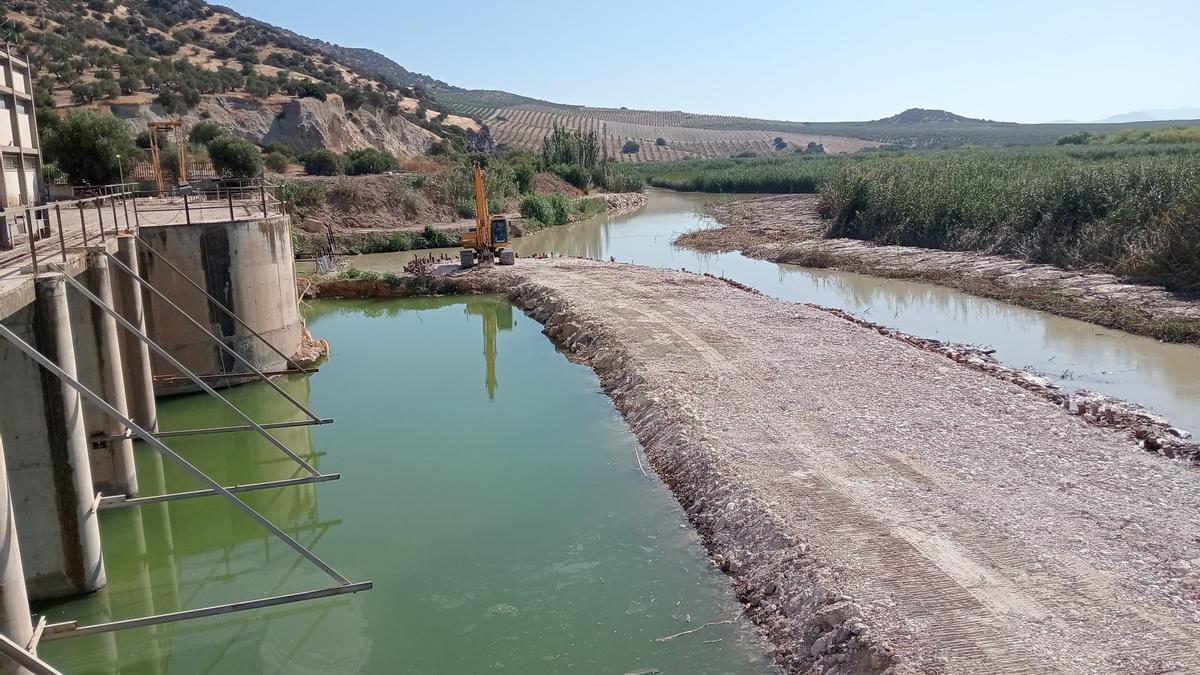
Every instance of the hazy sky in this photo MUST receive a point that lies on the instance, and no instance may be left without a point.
(1016, 60)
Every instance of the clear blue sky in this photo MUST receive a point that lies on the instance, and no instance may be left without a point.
(1017, 60)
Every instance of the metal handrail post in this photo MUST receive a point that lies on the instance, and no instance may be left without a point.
(228, 312)
(83, 224)
(32, 242)
(112, 259)
(187, 211)
(158, 349)
(100, 215)
(262, 191)
(149, 438)
(62, 238)
(116, 221)
(229, 195)
(137, 221)
(125, 206)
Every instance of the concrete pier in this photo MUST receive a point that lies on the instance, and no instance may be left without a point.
(247, 266)
(49, 470)
(135, 355)
(99, 360)
(15, 620)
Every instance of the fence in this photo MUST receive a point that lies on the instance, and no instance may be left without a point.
(33, 234)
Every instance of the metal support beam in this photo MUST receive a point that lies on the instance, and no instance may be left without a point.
(23, 658)
(103, 405)
(216, 430)
(120, 501)
(225, 310)
(65, 629)
(220, 343)
(183, 369)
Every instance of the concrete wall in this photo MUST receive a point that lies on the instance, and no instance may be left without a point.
(248, 266)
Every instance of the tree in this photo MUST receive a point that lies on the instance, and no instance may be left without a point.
(205, 133)
(234, 157)
(369, 161)
(276, 162)
(779, 143)
(660, 142)
(321, 162)
(86, 146)
(631, 147)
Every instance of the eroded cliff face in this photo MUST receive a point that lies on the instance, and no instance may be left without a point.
(303, 124)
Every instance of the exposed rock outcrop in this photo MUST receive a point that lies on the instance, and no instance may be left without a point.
(303, 124)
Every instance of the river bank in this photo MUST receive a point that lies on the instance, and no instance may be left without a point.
(787, 229)
(884, 507)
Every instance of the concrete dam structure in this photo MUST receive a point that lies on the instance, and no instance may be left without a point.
(97, 319)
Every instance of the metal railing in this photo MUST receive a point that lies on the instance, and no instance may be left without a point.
(33, 235)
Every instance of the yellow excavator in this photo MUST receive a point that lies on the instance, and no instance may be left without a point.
(487, 242)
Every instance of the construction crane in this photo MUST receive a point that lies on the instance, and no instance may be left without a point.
(175, 128)
(489, 238)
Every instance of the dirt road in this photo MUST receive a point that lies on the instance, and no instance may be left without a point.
(881, 507)
(787, 229)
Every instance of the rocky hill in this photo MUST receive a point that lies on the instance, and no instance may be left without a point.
(152, 59)
(926, 116)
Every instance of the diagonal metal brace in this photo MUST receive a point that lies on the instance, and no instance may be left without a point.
(220, 343)
(183, 369)
(149, 438)
(221, 306)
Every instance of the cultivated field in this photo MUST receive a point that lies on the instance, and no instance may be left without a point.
(524, 126)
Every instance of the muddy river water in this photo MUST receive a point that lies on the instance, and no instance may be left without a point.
(1163, 377)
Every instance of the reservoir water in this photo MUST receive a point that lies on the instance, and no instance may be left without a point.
(489, 489)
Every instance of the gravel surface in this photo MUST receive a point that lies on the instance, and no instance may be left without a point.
(878, 506)
(787, 229)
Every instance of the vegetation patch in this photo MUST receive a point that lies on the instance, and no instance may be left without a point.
(1129, 212)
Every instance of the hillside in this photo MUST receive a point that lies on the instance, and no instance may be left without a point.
(522, 122)
(151, 59)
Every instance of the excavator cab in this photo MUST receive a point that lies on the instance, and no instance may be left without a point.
(488, 240)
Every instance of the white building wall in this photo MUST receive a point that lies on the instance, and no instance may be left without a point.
(6, 130)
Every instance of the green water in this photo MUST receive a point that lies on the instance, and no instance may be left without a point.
(499, 511)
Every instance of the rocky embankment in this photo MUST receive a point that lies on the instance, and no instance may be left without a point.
(787, 229)
(882, 504)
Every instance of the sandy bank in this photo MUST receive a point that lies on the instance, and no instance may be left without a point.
(787, 229)
(878, 505)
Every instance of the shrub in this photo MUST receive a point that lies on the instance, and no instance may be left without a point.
(631, 147)
(276, 162)
(660, 142)
(779, 143)
(369, 161)
(234, 157)
(465, 207)
(302, 196)
(551, 209)
(617, 180)
(204, 133)
(577, 175)
(86, 145)
(1077, 138)
(321, 162)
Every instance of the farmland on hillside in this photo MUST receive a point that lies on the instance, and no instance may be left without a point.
(525, 126)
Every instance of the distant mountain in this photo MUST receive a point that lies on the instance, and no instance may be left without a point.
(925, 116)
(1153, 115)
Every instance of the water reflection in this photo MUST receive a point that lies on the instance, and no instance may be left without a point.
(165, 557)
